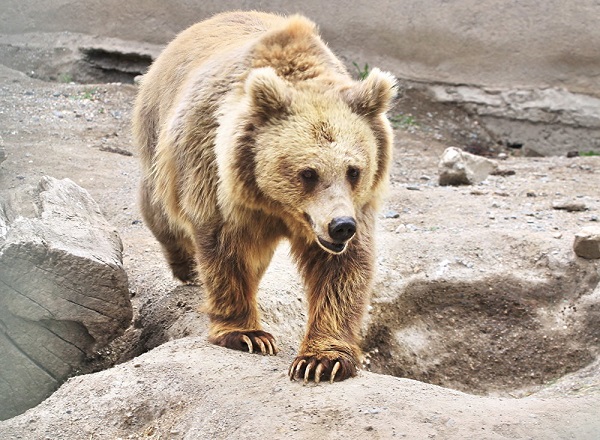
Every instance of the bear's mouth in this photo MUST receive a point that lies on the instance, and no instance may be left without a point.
(334, 248)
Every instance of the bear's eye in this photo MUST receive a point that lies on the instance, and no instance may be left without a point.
(309, 179)
(309, 175)
(353, 174)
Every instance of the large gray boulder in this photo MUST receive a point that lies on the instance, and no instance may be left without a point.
(63, 290)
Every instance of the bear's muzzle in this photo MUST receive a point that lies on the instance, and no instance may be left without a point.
(341, 230)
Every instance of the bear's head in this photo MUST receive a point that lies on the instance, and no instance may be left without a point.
(315, 153)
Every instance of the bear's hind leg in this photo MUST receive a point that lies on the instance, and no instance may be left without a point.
(180, 259)
(232, 261)
(177, 248)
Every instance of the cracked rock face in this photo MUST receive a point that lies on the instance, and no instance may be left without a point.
(63, 290)
(541, 121)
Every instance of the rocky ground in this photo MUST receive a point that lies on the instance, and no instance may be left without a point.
(481, 308)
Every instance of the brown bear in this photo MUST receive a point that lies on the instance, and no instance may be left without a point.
(252, 131)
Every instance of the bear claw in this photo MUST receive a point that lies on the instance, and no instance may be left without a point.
(317, 369)
(248, 342)
(252, 341)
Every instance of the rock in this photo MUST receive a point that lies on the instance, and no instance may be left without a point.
(542, 105)
(587, 243)
(539, 121)
(458, 167)
(503, 172)
(63, 290)
(569, 205)
(155, 401)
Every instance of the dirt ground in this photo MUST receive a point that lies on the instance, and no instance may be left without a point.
(477, 290)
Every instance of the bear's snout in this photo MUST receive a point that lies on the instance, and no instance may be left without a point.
(342, 229)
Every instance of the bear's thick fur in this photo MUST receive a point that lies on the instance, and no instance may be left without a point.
(251, 131)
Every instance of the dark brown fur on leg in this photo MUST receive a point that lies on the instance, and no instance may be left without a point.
(338, 288)
(178, 250)
(232, 260)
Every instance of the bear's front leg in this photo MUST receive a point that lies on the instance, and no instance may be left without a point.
(231, 261)
(338, 289)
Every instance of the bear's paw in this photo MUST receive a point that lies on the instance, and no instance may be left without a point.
(251, 341)
(331, 365)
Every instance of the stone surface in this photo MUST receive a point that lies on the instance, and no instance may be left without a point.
(176, 392)
(459, 167)
(587, 243)
(63, 290)
(542, 105)
(79, 57)
(541, 121)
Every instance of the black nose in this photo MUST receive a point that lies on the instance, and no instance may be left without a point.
(342, 228)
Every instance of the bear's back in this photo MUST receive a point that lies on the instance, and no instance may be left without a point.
(213, 42)
(217, 35)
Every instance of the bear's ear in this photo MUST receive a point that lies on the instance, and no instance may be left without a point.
(373, 95)
(269, 93)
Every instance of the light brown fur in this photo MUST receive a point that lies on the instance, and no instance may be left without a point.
(231, 121)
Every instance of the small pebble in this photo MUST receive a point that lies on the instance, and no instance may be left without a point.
(569, 205)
